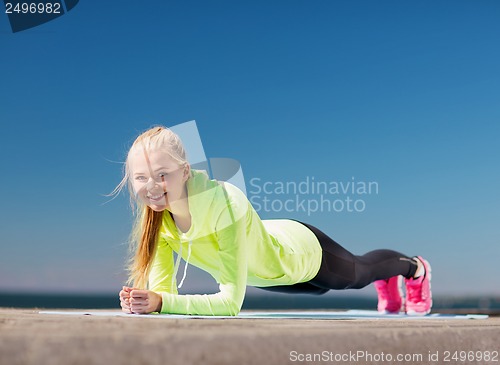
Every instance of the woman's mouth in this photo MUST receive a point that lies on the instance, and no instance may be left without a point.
(156, 198)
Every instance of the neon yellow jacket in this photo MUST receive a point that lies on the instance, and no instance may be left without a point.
(229, 241)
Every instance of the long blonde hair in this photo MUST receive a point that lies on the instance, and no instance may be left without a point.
(147, 222)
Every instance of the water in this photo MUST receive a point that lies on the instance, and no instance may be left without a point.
(483, 304)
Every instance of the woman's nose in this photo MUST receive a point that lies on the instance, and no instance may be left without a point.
(151, 184)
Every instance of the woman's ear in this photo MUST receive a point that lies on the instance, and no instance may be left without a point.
(187, 172)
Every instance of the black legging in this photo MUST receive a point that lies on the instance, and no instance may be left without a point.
(340, 269)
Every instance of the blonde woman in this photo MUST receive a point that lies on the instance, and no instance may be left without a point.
(213, 226)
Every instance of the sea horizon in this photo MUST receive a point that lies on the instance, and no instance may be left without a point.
(448, 303)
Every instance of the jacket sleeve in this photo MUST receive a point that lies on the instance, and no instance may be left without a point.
(161, 276)
(231, 236)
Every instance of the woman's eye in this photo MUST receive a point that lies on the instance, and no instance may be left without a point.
(140, 178)
(163, 174)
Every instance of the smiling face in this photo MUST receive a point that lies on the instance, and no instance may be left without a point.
(157, 179)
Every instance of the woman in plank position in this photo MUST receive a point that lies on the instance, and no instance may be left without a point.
(213, 226)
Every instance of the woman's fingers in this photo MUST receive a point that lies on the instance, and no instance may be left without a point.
(143, 308)
(128, 289)
(125, 307)
(139, 309)
(139, 302)
(136, 293)
(125, 301)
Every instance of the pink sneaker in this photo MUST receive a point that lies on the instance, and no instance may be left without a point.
(418, 292)
(390, 295)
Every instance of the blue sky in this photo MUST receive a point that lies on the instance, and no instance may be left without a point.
(402, 93)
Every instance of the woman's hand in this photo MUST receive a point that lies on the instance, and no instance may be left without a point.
(125, 299)
(133, 300)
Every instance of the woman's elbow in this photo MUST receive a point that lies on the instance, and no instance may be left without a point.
(232, 308)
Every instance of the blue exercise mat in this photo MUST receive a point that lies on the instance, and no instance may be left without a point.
(349, 314)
